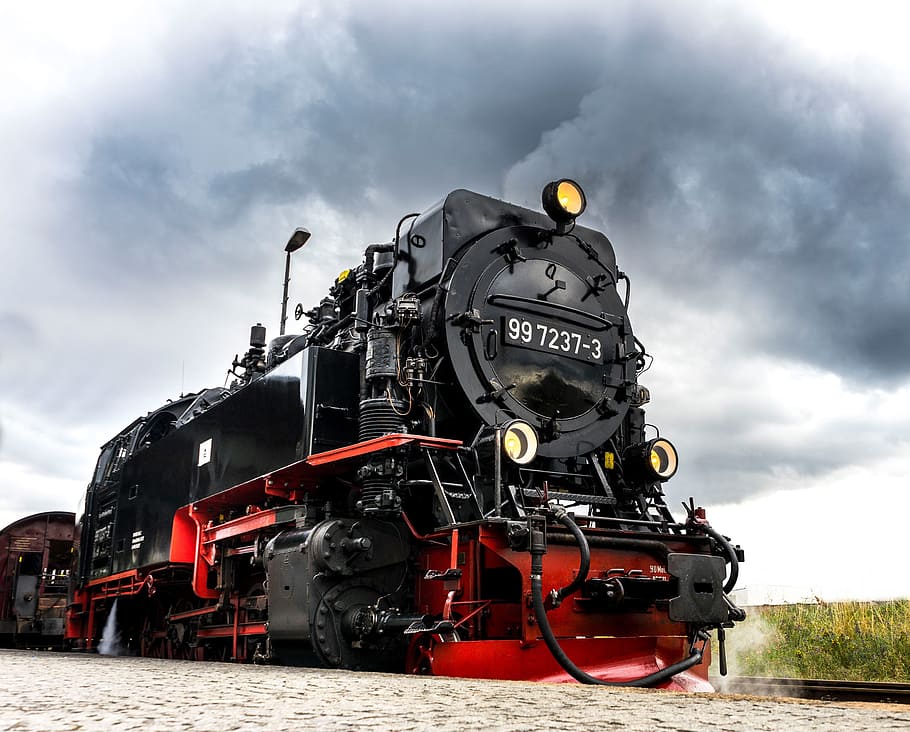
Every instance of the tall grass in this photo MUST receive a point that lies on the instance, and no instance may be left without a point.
(858, 641)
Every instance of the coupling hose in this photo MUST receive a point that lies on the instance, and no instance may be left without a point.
(731, 555)
(584, 564)
(540, 613)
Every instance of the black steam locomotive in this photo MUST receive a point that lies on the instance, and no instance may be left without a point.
(446, 472)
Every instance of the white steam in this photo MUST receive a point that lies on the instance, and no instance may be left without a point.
(751, 635)
(110, 637)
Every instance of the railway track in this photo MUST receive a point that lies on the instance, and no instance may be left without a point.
(825, 690)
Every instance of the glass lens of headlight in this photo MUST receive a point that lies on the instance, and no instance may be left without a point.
(563, 200)
(570, 197)
(519, 442)
(663, 459)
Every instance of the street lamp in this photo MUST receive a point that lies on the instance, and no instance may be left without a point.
(297, 240)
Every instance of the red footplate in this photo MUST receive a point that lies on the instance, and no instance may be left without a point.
(610, 659)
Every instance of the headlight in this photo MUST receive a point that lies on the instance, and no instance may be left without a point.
(519, 442)
(650, 461)
(663, 459)
(563, 200)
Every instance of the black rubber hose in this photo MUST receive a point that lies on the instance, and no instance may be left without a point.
(584, 563)
(731, 554)
(563, 660)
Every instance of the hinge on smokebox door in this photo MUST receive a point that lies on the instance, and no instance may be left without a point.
(509, 251)
(469, 320)
(495, 393)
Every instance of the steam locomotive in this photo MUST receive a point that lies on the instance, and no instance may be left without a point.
(448, 471)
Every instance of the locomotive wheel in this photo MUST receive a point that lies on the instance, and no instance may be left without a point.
(255, 593)
(153, 639)
(181, 634)
(217, 650)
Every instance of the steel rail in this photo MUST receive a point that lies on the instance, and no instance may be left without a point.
(820, 689)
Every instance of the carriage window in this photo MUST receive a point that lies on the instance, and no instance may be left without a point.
(30, 563)
(59, 555)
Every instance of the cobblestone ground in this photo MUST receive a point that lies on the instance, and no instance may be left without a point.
(53, 691)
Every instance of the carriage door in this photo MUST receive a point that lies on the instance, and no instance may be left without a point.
(28, 573)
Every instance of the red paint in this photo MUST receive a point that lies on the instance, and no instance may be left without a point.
(610, 659)
(497, 633)
(227, 631)
(378, 444)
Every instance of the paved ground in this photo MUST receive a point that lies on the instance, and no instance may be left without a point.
(53, 691)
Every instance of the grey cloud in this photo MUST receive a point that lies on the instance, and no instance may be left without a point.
(369, 115)
(726, 462)
(41, 495)
(127, 214)
(409, 109)
(16, 328)
(55, 452)
(730, 173)
(725, 166)
(269, 181)
(18, 334)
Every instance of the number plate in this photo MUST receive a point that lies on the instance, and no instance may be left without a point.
(549, 338)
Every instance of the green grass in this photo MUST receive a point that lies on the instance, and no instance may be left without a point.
(857, 641)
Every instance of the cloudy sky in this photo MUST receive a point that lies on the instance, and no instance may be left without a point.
(749, 163)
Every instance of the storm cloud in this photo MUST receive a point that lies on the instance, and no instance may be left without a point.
(755, 195)
(741, 176)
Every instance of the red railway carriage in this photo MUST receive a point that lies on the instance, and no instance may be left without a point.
(446, 472)
(35, 560)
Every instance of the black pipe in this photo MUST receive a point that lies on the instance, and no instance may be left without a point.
(369, 256)
(655, 548)
(441, 290)
(330, 331)
(537, 551)
(557, 596)
(538, 548)
(731, 554)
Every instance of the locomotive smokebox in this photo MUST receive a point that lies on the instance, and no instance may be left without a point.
(533, 324)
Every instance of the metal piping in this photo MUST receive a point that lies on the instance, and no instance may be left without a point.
(731, 555)
(538, 548)
(497, 470)
(584, 564)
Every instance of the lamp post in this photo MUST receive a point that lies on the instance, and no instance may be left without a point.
(297, 240)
